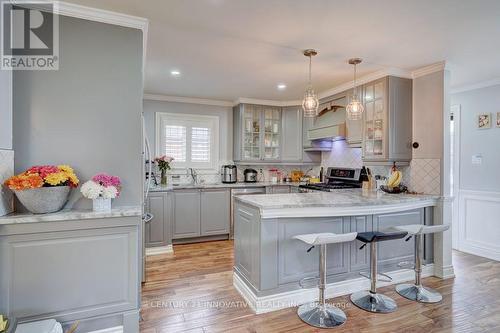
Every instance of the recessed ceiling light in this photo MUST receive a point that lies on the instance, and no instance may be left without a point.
(175, 72)
(281, 86)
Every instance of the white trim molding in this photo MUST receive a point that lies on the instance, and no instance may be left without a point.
(188, 100)
(478, 223)
(477, 85)
(97, 15)
(426, 70)
(153, 251)
(104, 16)
(293, 298)
(116, 329)
(365, 79)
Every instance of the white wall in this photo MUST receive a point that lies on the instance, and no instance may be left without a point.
(225, 114)
(479, 193)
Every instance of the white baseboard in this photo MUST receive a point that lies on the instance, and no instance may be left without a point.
(116, 329)
(292, 298)
(444, 273)
(152, 251)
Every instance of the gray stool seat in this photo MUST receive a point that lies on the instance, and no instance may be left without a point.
(370, 300)
(417, 292)
(319, 314)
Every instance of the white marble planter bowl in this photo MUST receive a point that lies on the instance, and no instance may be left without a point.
(44, 199)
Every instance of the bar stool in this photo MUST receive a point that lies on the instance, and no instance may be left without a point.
(370, 300)
(417, 292)
(319, 314)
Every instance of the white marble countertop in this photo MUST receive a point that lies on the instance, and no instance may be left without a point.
(68, 215)
(348, 202)
(217, 185)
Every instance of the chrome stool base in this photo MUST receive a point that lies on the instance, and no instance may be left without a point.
(323, 317)
(369, 301)
(418, 293)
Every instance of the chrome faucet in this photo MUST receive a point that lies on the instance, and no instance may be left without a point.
(193, 174)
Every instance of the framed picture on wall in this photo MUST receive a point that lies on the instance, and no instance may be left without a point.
(498, 119)
(484, 121)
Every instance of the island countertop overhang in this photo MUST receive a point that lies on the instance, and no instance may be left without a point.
(352, 202)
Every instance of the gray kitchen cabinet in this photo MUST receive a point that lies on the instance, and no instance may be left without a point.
(257, 133)
(387, 121)
(269, 134)
(360, 258)
(76, 270)
(292, 134)
(215, 211)
(186, 214)
(158, 230)
(396, 251)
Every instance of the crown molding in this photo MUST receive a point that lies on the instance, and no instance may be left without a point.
(94, 14)
(477, 85)
(392, 71)
(365, 79)
(266, 102)
(189, 100)
(102, 16)
(426, 70)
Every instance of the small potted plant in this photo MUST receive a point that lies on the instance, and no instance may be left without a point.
(163, 163)
(43, 188)
(101, 189)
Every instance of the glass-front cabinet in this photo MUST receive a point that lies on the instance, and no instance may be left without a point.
(260, 133)
(375, 120)
(387, 120)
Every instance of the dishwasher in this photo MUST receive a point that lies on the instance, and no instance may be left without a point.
(242, 191)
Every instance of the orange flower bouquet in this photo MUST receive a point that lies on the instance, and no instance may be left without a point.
(43, 188)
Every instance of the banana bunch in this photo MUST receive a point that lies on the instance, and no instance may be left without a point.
(395, 179)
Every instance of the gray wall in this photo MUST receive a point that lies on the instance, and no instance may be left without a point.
(428, 105)
(473, 141)
(225, 114)
(5, 109)
(87, 114)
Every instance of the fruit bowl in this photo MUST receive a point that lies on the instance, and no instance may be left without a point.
(396, 189)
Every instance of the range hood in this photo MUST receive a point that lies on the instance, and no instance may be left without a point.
(329, 126)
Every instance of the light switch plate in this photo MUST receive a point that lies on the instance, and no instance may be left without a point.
(477, 159)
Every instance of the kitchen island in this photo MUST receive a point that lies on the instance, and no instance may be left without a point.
(270, 263)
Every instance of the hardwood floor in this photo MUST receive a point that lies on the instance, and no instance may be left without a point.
(191, 291)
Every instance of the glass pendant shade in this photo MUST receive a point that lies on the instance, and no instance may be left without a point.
(355, 109)
(310, 103)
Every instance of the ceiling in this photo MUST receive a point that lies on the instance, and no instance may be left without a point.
(226, 49)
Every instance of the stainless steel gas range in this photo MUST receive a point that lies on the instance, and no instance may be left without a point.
(336, 179)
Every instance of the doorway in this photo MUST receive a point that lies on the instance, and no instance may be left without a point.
(454, 180)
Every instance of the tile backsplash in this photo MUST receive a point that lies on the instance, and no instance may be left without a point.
(422, 175)
(6, 171)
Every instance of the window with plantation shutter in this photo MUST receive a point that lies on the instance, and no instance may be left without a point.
(192, 140)
(175, 142)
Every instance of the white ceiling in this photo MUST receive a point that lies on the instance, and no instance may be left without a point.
(226, 49)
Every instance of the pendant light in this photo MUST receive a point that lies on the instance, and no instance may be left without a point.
(355, 108)
(310, 103)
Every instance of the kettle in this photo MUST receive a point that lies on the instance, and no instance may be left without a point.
(229, 174)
